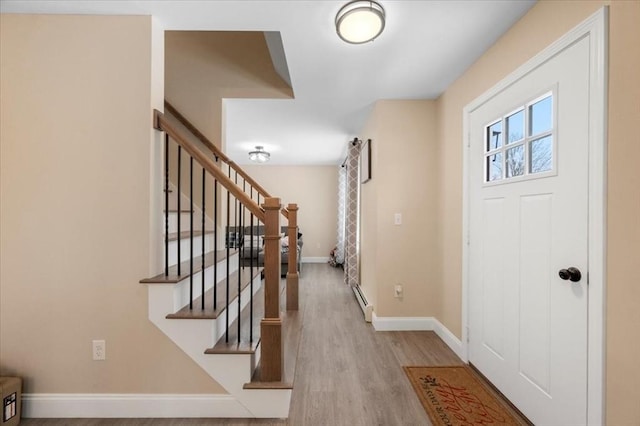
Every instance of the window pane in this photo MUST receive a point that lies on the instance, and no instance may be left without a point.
(542, 155)
(541, 116)
(494, 136)
(494, 167)
(515, 127)
(515, 161)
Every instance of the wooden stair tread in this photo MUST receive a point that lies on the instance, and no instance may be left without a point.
(244, 346)
(291, 335)
(173, 277)
(209, 312)
(181, 211)
(187, 234)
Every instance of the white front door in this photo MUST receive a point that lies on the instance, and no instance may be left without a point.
(528, 206)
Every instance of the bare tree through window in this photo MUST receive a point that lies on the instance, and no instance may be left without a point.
(528, 145)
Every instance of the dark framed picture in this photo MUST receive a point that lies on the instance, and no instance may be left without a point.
(365, 161)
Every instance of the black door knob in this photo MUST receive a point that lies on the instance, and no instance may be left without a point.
(571, 274)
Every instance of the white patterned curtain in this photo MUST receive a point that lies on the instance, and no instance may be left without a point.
(342, 206)
(351, 273)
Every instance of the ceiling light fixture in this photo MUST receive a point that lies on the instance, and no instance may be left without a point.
(259, 155)
(360, 21)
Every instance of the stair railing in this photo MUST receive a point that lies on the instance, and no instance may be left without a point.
(240, 206)
(260, 194)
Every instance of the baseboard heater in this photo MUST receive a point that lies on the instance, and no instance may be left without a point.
(367, 309)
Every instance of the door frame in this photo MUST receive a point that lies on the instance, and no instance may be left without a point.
(596, 28)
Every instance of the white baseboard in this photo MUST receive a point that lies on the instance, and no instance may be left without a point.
(449, 338)
(315, 259)
(67, 405)
(419, 324)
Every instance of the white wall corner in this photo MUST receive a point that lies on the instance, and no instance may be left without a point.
(450, 339)
(419, 324)
(156, 152)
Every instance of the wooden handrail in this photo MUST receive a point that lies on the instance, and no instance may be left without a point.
(161, 123)
(197, 133)
(214, 149)
(218, 152)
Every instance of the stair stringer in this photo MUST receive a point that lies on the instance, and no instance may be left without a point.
(231, 371)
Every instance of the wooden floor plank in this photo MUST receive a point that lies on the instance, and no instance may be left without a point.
(346, 373)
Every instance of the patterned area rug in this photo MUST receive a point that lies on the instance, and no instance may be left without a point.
(453, 396)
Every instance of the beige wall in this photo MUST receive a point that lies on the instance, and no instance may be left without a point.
(201, 69)
(315, 190)
(403, 181)
(75, 171)
(623, 225)
(520, 43)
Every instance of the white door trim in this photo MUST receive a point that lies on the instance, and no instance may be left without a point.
(596, 28)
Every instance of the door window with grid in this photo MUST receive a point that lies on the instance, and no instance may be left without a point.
(521, 144)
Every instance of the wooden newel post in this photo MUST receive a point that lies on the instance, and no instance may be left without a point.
(292, 272)
(271, 325)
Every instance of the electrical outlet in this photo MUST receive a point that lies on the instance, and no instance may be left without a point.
(397, 291)
(397, 219)
(99, 350)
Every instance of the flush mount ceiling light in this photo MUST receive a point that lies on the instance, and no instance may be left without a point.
(360, 21)
(259, 155)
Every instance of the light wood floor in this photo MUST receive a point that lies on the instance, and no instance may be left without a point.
(347, 374)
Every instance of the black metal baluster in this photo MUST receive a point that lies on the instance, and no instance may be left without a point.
(244, 220)
(179, 195)
(236, 218)
(203, 232)
(228, 244)
(215, 243)
(240, 271)
(166, 204)
(251, 272)
(191, 234)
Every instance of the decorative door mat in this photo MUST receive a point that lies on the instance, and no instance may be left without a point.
(452, 396)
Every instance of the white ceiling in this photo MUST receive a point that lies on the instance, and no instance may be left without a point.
(426, 45)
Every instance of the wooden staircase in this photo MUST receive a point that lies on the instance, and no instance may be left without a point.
(225, 314)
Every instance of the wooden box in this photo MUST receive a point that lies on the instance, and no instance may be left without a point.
(11, 397)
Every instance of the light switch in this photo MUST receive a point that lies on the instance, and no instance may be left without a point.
(397, 219)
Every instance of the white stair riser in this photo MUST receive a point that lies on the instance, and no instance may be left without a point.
(185, 221)
(185, 248)
(182, 288)
(233, 308)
